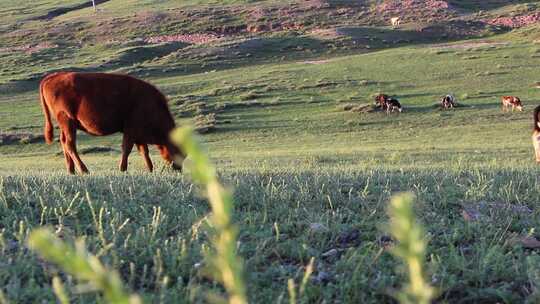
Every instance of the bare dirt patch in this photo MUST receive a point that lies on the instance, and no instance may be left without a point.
(186, 38)
(399, 5)
(516, 21)
(29, 48)
(411, 10)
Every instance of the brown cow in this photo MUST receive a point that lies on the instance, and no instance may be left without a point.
(102, 104)
(536, 133)
(512, 101)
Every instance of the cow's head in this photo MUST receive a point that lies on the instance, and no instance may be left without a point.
(518, 104)
(381, 99)
(172, 155)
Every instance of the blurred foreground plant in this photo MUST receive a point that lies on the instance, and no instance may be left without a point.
(226, 266)
(80, 264)
(305, 279)
(410, 247)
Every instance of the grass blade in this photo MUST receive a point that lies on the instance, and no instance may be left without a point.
(410, 248)
(227, 265)
(83, 266)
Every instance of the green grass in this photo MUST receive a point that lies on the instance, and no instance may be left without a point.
(295, 112)
(483, 4)
(465, 260)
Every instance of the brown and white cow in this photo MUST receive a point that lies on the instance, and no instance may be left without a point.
(511, 101)
(392, 105)
(536, 133)
(102, 104)
(448, 102)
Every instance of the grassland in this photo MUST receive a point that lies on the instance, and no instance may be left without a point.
(290, 151)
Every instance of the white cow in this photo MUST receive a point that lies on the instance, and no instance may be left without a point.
(396, 21)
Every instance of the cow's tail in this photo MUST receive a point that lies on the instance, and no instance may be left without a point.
(48, 130)
(537, 119)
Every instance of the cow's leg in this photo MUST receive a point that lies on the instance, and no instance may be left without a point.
(537, 150)
(536, 144)
(127, 146)
(70, 165)
(143, 149)
(69, 129)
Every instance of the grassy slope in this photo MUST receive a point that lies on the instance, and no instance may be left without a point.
(295, 112)
(296, 158)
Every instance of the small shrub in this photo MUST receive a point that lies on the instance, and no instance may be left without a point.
(250, 96)
(346, 107)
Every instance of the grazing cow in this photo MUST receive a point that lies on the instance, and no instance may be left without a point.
(448, 101)
(380, 101)
(393, 104)
(512, 101)
(396, 21)
(536, 133)
(102, 104)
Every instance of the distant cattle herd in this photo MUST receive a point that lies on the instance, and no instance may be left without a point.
(102, 104)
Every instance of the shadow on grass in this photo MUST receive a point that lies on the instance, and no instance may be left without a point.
(66, 9)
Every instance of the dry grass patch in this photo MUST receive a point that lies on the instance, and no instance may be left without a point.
(359, 108)
(10, 138)
(205, 123)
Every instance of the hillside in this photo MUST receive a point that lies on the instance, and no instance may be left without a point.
(282, 94)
